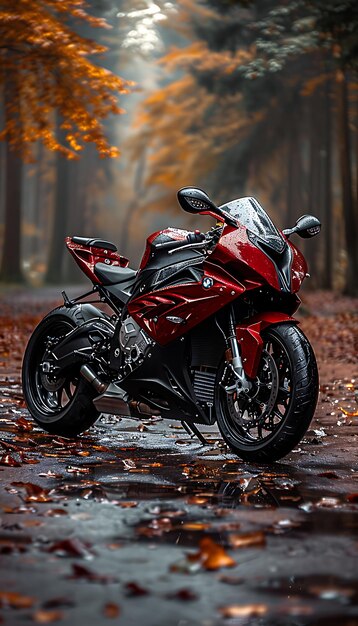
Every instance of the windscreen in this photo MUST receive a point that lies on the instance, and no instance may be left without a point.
(249, 213)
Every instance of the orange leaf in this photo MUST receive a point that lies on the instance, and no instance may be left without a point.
(248, 539)
(353, 414)
(243, 610)
(212, 555)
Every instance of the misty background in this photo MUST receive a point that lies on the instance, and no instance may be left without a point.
(237, 97)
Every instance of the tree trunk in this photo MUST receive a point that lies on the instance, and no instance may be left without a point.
(134, 205)
(327, 276)
(59, 223)
(315, 171)
(10, 270)
(345, 161)
(294, 177)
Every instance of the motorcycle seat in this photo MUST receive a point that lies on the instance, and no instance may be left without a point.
(112, 274)
(95, 243)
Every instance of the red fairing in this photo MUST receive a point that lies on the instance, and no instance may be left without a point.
(298, 269)
(87, 257)
(241, 258)
(190, 302)
(250, 340)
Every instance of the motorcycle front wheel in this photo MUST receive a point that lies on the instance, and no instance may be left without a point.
(61, 405)
(266, 423)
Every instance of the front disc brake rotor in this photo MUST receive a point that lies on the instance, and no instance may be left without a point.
(261, 399)
(270, 368)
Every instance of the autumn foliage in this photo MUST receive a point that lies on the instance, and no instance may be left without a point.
(47, 71)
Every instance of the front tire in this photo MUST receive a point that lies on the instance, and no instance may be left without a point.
(268, 422)
(61, 406)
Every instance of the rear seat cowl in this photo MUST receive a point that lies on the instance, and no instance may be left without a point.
(95, 243)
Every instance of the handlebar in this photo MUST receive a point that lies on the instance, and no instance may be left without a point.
(195, 239)
(191, 238)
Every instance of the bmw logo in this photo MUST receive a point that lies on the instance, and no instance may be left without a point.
(207, 282)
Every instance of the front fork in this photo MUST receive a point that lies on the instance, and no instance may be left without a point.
(234, 359)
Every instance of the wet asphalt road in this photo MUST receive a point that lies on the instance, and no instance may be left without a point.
(114, 527)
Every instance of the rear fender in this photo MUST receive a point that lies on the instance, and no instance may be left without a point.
(79, 344)
(249, 336)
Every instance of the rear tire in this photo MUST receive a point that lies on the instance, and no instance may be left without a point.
(296, 364)
(63, 406)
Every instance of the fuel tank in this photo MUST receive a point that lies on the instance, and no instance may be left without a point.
(160, 236)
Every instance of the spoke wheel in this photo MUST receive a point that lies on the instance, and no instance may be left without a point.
(269, 420)
(257, 414)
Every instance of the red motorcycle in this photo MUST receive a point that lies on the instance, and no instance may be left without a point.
(202, 332)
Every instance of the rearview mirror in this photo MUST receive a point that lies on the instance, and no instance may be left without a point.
(194, 200)
(306, 226)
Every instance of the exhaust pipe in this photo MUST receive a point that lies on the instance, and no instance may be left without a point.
(91, 377)
(113, 399)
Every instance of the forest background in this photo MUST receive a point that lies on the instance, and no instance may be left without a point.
(239, 97)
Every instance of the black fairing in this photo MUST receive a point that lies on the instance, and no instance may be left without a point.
(168, 268)
(163, 382)
(281, 260)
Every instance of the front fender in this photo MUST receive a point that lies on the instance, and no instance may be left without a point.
(250, 339)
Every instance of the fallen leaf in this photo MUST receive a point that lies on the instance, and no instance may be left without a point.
(331, 475)
(133, 589)
(348, 413)
(194, 526)
(127, 505)
(128, 464)
(23, 425)
(111, 610)
(50, 474)
(47, 617)
(30, 523)
(10, 547)
(8, 460)
(247, 540)
(79, 571)
(156, 528)
(55, 513)
(35, 493)
(211, 555)
(72, 469)
(185, 595)
(55, 603)
(19, 509)
(114, 546)
(70, 547)
(353, 497)
(197, 499)
(15, 600)
(243, 610)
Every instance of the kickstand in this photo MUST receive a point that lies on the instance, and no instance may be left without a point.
(192, 430)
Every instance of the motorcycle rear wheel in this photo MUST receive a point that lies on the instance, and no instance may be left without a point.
(61, 406)
(267, 423)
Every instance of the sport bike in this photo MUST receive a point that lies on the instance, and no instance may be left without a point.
(202, 332)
